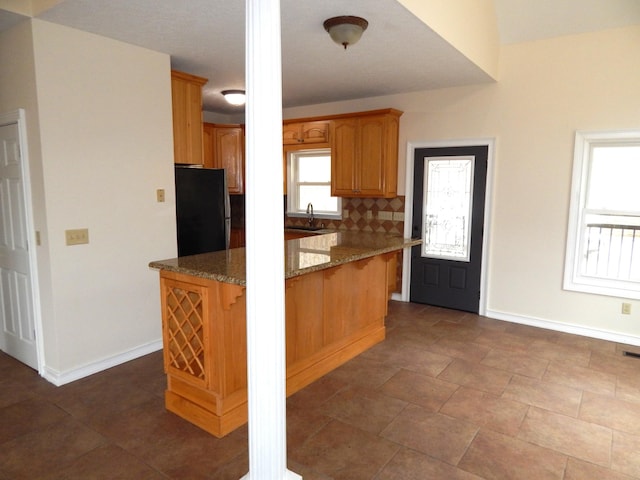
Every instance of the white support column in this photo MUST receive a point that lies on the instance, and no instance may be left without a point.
(265, 245)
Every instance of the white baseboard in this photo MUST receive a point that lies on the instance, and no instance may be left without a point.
(565, 327)
(62, 378)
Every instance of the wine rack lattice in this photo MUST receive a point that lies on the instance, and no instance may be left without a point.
(185, 332)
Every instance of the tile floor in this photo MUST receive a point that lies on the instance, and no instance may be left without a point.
(447, 395)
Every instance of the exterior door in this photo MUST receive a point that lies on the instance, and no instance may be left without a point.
(16, 302)
(448, 214)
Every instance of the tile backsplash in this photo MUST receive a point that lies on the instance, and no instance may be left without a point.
(363, 216)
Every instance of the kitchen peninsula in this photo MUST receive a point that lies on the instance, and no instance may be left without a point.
(337, 287)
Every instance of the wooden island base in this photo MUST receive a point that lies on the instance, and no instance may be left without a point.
(332, 315)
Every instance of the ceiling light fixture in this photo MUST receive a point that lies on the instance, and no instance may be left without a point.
(345, 30)
(234, 97)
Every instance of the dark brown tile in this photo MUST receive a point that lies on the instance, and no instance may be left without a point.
(516, 362)
(616, 364)
(486, 410)
(428, 392)
(363, 372)
(504, 341)
(494, 456)
(197, 455)
(303, 423)
(550, 396)
(49, 449)
(434, 434)
(409, 357)
(582, 378)
(458, 349)
(456, 330)
(530, 333)
(150, 420)
(611, 412)
(317, 393)
(567, 435)
(101, 396)
(628, 388)
(106, 463)
(579, 341)
(581, 470)
(363, 408)
(560, 353)
(28, 416)
(476, 376)
(343, 452)
(625, 454)
(411, 465)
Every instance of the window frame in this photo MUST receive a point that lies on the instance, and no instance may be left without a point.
(574, 280)
(293, 183)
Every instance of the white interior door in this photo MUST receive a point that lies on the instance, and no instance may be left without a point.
(16, 301)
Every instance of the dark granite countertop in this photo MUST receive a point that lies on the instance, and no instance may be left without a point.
(303, 255)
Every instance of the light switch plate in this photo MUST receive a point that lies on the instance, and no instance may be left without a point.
(382, 215)
(398, 216)
(78, 236)
(160, 195)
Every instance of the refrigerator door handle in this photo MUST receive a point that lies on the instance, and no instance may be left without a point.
(227, 213)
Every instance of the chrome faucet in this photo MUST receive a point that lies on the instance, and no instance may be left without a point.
(310, 213)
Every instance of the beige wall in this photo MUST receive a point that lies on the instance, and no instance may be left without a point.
(104, 115)
(547, 90)
(470, 26)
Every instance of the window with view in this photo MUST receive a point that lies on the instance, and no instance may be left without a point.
(603, 242)
(309, 182)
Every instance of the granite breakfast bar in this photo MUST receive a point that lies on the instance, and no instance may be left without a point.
(337, 287)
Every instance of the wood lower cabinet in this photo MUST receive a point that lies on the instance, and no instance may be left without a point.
(186, 103)
(237, 238)
(364, 155)
(332, 315)
(224, 148)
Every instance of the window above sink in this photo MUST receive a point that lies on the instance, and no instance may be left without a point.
(309, 183)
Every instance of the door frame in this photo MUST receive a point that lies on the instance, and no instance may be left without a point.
(18, 117)
(408, 209)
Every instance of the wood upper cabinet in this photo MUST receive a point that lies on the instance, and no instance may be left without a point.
(364, 154)
(186, 102)
(224, 148)
(313, 132)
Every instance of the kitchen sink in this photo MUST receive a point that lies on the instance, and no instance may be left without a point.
(306, 229)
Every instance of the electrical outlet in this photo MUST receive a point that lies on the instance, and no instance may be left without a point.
(398, 216)
(160, 195)
(78, 236)
(345, 214)
(369, 215)
(382, 215)
(626, 309)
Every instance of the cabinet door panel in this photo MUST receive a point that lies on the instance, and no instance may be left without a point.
(344, 153)
(315, 132)
(371, 172)
(228, 154)
(290, 133)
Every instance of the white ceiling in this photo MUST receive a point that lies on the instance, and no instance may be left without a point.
(398, 53)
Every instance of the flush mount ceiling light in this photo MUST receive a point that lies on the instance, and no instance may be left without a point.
(345, 30)
(234, 97)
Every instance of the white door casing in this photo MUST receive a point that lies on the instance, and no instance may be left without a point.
(17, 300)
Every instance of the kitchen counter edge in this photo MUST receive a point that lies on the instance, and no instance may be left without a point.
(229, 266)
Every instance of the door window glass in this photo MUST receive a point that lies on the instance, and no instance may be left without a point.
(447, 204)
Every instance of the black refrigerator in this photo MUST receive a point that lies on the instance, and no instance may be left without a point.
(203, 217)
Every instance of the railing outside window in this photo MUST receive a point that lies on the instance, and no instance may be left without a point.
(612, 251)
